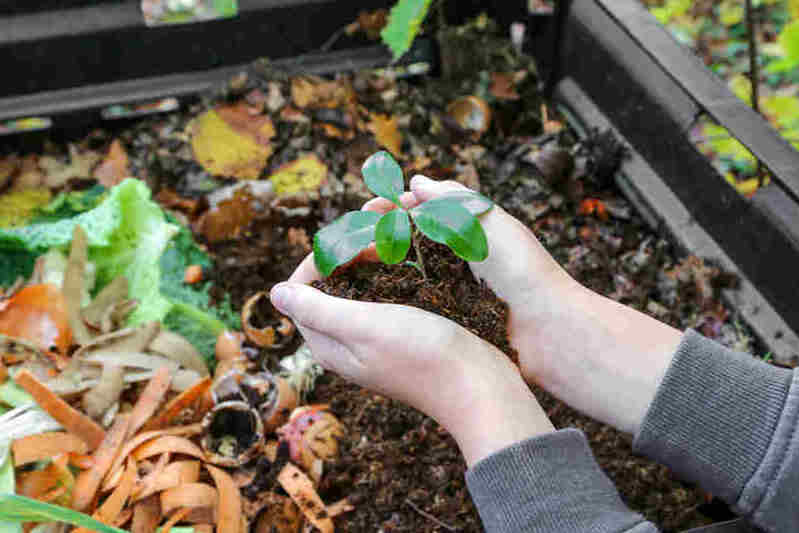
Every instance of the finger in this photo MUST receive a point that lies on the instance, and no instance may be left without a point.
(382, 205)
(425, 189)
(306, 272)
(338, 318)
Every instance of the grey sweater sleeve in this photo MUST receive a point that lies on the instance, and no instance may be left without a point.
(719, 418)
(549, 484)
(729, 423)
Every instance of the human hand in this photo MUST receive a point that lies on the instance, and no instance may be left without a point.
(422, 359)
(595, 354)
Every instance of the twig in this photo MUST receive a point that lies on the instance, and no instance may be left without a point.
(429, 516)
(754, 75)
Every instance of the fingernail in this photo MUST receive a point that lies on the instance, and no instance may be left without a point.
(420, 181)
(281, 297)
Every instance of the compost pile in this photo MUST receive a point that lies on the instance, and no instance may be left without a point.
(157, 409)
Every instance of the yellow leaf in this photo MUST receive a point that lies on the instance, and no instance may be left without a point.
(229, 141)
(16, 207)
(307, 173)
(387, 133)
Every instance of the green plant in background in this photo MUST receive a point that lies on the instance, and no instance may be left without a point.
(450, 219)
(404, 23)
(718, 33)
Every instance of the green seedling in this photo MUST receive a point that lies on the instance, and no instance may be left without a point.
(450, 219)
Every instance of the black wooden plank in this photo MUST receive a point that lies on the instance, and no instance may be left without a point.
(66, 101)
(709, 91)
(97, 45)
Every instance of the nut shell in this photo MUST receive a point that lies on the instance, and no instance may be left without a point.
(276, 334)
(471, 113)
(232, 433)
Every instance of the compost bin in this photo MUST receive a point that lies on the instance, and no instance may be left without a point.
(629, 93)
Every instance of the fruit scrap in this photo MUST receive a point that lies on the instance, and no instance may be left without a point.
(38, 314)
(312, 434)
(73, 420)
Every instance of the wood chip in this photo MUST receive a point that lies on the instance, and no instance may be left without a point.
(73, 420)
(46, 445)
(89, 480)
(229, 504)
(301, 489)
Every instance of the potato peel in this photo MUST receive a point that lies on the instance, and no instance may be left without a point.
(301, 489)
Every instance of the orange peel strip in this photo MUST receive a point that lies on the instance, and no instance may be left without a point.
(149, 400)
(111, 508)
(113, 476)
(45, 445)
(190, 495)
(301, 489)
(174, 474)
(167, 443)
(174, 519)
(146, 515)
(180, 402)
(88, 481)
(73, 420)
(229, 506)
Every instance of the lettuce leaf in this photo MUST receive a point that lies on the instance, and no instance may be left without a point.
(130, 235)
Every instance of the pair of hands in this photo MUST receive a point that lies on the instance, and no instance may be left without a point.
(601, 357)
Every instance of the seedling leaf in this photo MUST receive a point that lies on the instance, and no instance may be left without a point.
(393, 236)
(452, 224)
(342, 240)
(474, 202)
(383, 176)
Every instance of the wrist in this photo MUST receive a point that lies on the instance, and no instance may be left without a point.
(497, 409)
(601, 357)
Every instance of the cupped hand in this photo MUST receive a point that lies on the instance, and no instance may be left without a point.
(422, 359)
(601, 357)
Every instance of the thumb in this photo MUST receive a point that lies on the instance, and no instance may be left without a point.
(426, 189)
(310, 308)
